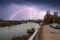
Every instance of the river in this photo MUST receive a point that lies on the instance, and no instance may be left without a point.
(6, 33)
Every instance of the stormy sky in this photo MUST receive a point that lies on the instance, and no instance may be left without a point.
(10, 9)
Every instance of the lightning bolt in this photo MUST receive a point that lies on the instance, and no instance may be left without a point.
(31, 12)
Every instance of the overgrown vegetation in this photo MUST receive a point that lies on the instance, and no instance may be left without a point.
(25, 37)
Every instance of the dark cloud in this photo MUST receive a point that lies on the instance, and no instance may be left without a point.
(53, 3)
(32, 1)
(5, 5)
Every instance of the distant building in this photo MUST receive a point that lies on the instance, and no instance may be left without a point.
(56, 14)
(48, 12)
(47, 17)
(59, 19)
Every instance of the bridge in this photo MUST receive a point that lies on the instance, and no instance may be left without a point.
(46, 33)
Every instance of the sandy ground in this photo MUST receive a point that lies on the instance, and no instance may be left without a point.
(47, 33)
(55, 32)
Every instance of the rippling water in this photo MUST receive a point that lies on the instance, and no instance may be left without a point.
(6, 33)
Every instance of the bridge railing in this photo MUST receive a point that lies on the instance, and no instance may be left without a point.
(35, 35)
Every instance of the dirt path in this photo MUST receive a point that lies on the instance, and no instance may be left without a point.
(46, 34)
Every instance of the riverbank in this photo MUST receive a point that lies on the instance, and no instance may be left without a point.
(4, 23)
(7, 33)
(10, 23)
(25, 37)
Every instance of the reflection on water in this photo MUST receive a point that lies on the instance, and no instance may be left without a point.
(6, 33)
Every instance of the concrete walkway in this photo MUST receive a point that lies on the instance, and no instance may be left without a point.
(46, 34)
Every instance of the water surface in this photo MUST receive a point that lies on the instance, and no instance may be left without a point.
(6, 33)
